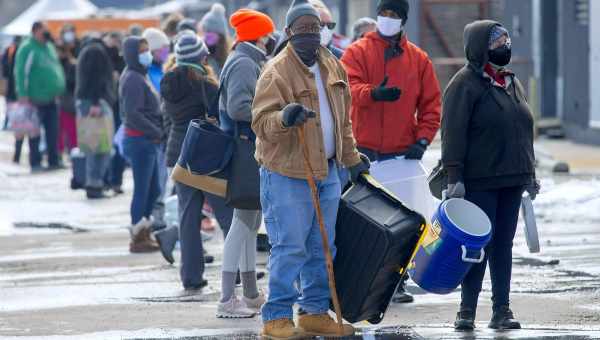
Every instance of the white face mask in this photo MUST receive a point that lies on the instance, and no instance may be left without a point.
(389, 27)
(69, 37)
(145, 58)
(326, 36)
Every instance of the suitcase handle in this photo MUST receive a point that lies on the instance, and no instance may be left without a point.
(472, 260)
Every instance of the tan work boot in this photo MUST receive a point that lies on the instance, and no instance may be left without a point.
(142, 242)
(322, 325)
(281, 329)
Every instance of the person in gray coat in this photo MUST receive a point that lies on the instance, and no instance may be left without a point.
(238, 81)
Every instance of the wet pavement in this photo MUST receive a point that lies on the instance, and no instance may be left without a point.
(66, 273)
(386, 333)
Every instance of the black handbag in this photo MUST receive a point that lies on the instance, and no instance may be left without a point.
(438, 180)
(243, 187)
(206, 149)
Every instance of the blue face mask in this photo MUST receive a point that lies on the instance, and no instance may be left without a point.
(145, 58)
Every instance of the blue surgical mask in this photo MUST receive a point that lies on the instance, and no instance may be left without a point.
(145, 58)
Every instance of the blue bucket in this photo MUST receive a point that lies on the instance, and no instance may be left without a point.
(454, 241)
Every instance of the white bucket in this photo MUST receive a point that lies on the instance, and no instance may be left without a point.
(407, 179)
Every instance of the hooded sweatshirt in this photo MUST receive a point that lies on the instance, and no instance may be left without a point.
(139, 103)
(487, 128)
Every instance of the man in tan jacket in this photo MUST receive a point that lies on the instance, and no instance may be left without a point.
(304, 85)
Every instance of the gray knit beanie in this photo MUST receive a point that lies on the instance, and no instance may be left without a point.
(298, 9)
(215, 21)
(189, 48)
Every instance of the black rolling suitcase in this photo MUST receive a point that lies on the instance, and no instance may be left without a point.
(376, 236)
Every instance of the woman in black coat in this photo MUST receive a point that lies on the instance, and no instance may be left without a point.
(189, 91)
(487, 150)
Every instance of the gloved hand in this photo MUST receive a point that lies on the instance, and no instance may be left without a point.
(295, 114)
(360, 168)
(385, 94)
(416, 150)
(456, 190)
(533, 189)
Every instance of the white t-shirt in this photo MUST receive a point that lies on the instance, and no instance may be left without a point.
(327, 123)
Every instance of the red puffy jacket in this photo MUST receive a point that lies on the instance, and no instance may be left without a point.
(391, 127)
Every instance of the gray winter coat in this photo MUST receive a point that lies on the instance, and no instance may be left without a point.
(238, 83)
(139, 103)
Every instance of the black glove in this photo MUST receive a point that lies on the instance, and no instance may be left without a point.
(416, 150)
(385, 94)
(360, 168)
(533, 189)
(295, 114)
(456, 190)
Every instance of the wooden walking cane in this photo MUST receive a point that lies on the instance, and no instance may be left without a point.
(328, 258)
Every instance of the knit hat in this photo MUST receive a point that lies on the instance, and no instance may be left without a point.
(400, 7)
(360, 24)
(299, 8)
(250, 25)
(186, 24)
(215, 21)
(497, 32)
(189, 48)
(156, 38)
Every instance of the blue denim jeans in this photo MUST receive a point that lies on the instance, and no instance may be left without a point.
(96, 167)
(142, 154)
(297, 248)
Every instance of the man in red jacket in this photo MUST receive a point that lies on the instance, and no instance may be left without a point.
(396, 98)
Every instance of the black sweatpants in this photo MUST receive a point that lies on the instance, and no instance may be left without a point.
(502, 207)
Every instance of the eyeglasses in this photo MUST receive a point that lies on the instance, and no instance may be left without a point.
(330, 25)
(315, 28)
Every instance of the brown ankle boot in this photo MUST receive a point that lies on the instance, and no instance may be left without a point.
(281, 329)
(143, 243)
(323, 325)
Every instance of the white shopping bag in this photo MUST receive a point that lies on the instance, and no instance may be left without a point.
(407, 179)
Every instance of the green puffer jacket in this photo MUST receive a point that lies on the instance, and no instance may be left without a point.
(38, 73)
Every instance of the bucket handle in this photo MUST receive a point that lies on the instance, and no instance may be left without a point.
(471, 260)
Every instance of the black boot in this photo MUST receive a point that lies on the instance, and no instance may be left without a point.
(18, 149)
(465, 320)
(503, 318)
(94, 193)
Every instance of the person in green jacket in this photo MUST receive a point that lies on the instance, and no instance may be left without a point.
(39, 80)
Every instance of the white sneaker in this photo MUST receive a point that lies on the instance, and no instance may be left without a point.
(256, 303)
(234, 309)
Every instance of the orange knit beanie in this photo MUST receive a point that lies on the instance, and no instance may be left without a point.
(250, 25)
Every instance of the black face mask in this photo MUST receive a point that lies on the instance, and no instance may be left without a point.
(500, 56)
(306, 46)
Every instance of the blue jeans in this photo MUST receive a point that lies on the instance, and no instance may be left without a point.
(96, 168)
(297, 248)
(142, 154)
